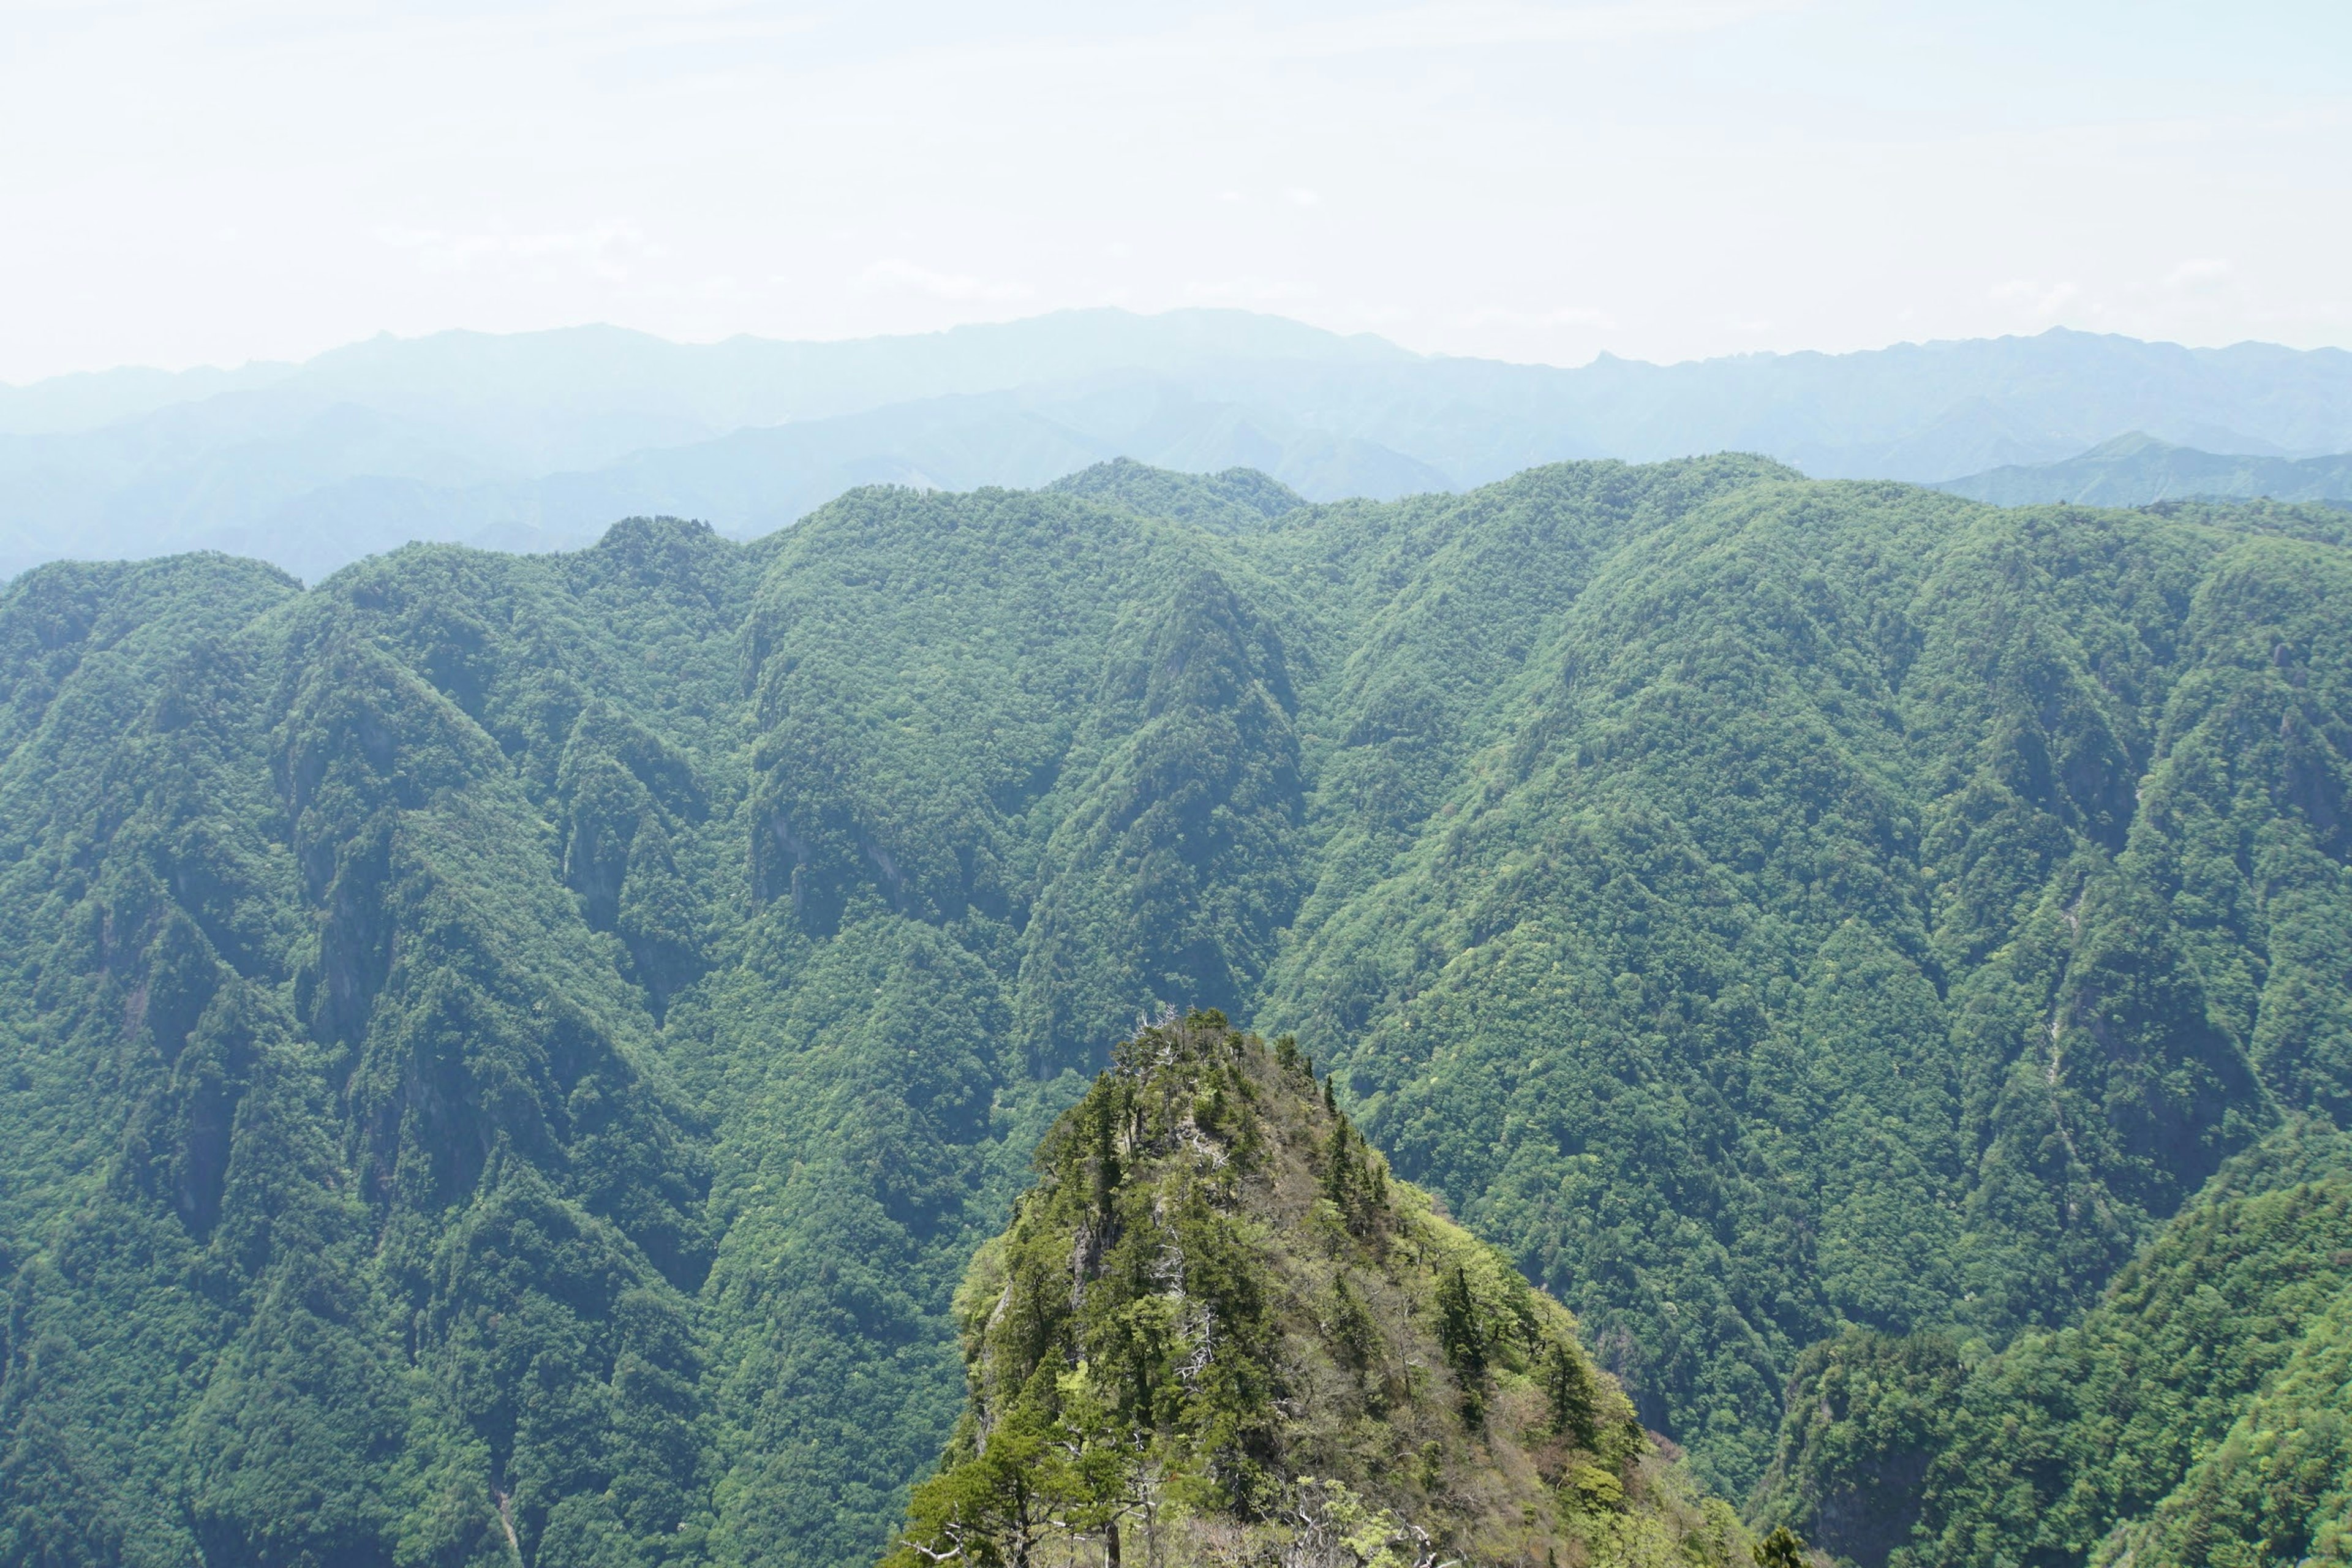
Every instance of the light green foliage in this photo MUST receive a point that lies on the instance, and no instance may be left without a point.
(1238, 500)
(2065, 1435)
(1216, 1329)
(1800, 929)
(2277, 1488)
(2184, 1420)
(509, 1057)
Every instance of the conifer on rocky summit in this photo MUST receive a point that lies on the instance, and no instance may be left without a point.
(1218, 1332)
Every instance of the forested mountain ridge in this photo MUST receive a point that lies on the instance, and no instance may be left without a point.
(510, 1055)
(538, 440)
(2134, 469)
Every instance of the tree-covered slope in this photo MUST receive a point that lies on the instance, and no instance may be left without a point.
(509, 1057)
(1217, 1330)
(369, 1222)
(1872, 910)
(2277, 1488)
(2192, 1417)
(1235, 501)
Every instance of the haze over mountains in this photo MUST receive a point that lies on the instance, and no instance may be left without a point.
(2138, 469)
(540, 440)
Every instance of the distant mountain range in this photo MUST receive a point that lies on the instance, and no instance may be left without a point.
(2138, 469)
(538, 440)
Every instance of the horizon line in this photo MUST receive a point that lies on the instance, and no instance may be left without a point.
(1599, 357)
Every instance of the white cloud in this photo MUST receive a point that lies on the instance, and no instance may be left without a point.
(1261, 293)
(1557, 315)
(2197, 275)
(898, 273)
(605, 251)
(2039, 298)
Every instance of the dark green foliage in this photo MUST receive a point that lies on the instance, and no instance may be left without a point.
(510, 1055)
(1868, 1413)
(1459, 1337)
(1573, 1394)
(2277, 1488)
(1175, 869)
(2065, 1435)
(2207, 1359)
(386, 1253)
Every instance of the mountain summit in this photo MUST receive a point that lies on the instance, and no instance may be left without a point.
(1217, 1331)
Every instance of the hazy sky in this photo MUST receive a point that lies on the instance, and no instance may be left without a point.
(212, 180)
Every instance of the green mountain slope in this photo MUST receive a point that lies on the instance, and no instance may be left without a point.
(2138, 469)
(2189, 1417)
(1217, 1329)
(1807, 950)
(1235, 501)
(2277, 1488)
(509, 1057)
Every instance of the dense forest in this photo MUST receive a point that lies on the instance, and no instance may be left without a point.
(508, 1059)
